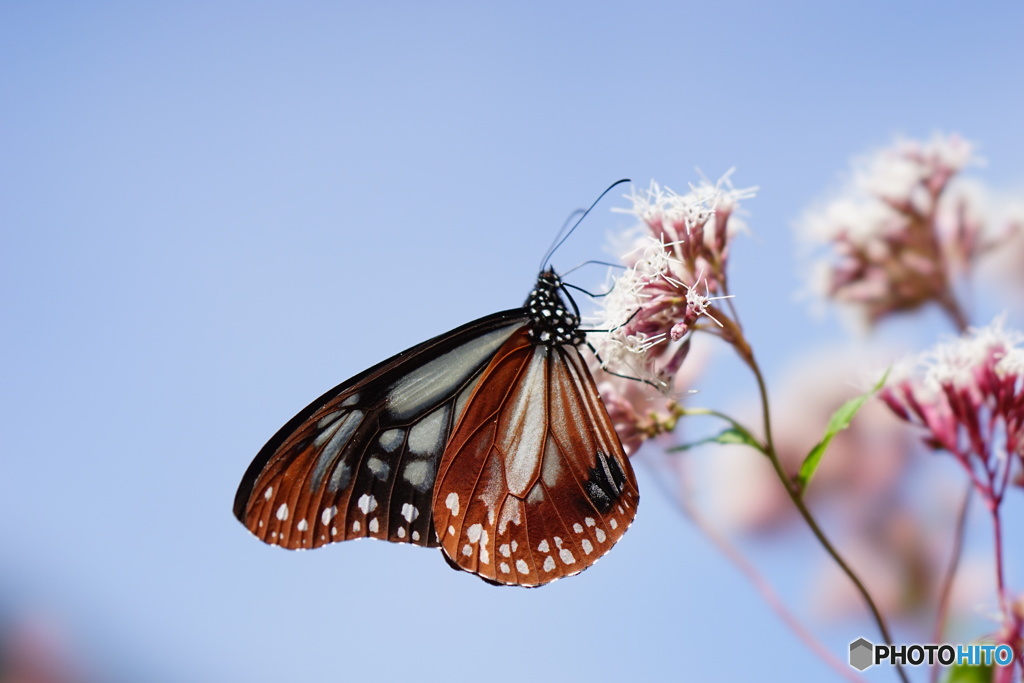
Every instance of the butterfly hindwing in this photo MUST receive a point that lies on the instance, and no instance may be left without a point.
(361, 460)
(534, 484)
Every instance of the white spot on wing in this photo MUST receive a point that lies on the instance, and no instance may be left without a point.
(416, 473)
(373, 526)
(302, 525)
(600, 535)
(268, 493)
(504, 550)
(409, 512)
(356, 526)
(509, 513)
(590, 521)
(379, 468)
(415, 535)
(549, 563)
(504, 568)
(536, 494)
(566, 556)
(467, 550)
(588, 547)
(543, 547)
(473, 532)
(427, 436)
(522, 567)
(391, 439)
(282, 512)
(577, 527)
(452, 503)
(400, 532)
(328, 514)
(367, 503)
(614, 524)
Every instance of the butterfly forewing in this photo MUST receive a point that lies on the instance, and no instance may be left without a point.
(361, 460)
(534, 484)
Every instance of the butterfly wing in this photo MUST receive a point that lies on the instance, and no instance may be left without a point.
(361, 460)
(534, 484)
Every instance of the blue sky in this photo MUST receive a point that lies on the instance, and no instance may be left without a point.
(212, 212)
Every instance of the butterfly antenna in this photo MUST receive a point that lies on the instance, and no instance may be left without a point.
(591, 263)
(573, 218)
(562, 238)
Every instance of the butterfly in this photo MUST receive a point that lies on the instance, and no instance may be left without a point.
(490, 441)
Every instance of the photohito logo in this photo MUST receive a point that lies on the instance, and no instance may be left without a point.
(863, 653)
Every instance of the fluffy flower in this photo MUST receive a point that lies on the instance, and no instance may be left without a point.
(900, 230)
(675, 269)
(967, 396)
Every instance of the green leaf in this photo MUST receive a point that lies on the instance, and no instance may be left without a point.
(839, 421)
(963, 673)
(731, 435)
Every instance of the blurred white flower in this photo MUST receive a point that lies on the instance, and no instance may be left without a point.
(901, 230)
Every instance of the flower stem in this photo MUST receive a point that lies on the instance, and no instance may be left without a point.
(795, 495)
(950, 576)
(997, 528)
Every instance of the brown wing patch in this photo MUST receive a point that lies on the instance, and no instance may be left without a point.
(534, 484)
(361, 460)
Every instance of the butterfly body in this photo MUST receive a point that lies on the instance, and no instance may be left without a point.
(490, 440)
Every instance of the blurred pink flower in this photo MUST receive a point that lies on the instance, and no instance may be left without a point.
(999, 216)
(862, 470)
(34, 650)
(900, 231)
(900, 556)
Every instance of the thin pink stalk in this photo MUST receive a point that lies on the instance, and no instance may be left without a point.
(950, 577)
(768, 594)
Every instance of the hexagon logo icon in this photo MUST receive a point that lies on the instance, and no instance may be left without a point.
(861, 654)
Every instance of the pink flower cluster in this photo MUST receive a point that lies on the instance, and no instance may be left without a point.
(675, 268)
(898, 234)
(968, 396)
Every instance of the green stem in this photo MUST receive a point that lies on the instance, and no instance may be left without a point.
(794, 495)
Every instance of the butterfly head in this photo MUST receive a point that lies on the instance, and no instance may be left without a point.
(552, 323)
